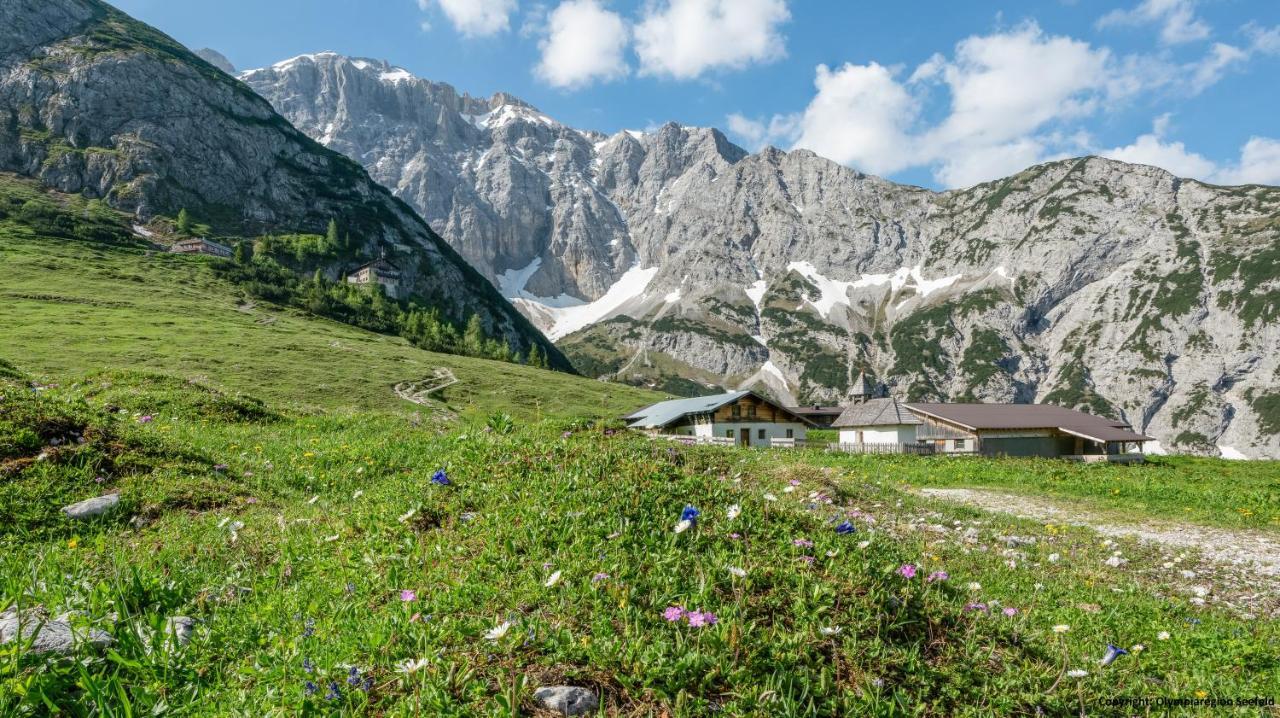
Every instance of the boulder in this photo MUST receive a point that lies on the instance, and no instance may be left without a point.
(567, 700)
(48, 635)
(92, 507)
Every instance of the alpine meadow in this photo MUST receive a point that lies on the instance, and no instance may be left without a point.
(326, 390)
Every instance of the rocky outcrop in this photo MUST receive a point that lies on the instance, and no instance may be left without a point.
(1097, 284)
(95, 103)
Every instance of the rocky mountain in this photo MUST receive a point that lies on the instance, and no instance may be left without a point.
(672, 257)
(96, 103)
(217, 59)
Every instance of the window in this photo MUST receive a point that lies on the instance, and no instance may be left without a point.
(958, 444)
(751, 413)
(761, 434)
(791, 433)
(728, 433)
(736, 411)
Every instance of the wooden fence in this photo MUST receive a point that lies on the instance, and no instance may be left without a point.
(886, 448)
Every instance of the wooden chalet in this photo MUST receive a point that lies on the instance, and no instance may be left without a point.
(1025, 430)
(741, 418)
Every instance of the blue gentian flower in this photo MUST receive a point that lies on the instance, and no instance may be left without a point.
(368, 683)
(309, 629)
(440, 477)
(690, 514)
(310, 688)
(845, 528)
(307, 665)
(1113, 652)
(334, 692)
(353, 677)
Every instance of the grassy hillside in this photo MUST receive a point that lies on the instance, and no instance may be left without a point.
(331, 575)
(71, 307)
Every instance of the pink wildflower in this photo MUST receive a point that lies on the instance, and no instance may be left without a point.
(408, 594)
(802, 543)
(1010, 611)
(938, 576)
(908, 570)
(673, 613)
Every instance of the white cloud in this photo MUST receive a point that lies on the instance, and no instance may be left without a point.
(1006, 90)
(756, 134)
(1176, 18)
(1259, 158)
(685, 38)
(860, 117)
(1006, 85)
(1259, 164)
(584, 44)
(1208, 71)
(476, 18)
(1152, 149)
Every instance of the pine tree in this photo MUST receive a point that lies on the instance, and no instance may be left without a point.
(318, 278)
(535, 357)
(331, 236)
(242, 254)
(184, 222)
(473, 340)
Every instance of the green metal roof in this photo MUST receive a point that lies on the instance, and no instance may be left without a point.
(665, 413)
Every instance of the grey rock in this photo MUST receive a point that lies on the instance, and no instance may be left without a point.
(1016, 541)
(217, 59)
(567, 700)
(1117, 288)
(181, 628)
(48, 635)
(90, 508)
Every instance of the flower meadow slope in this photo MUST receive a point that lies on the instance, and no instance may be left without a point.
(364, 564)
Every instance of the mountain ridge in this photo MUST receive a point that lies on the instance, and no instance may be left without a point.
(96, 103)
(673, 257)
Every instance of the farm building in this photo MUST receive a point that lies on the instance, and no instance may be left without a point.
(740, 417)
(379, 271)
(820, 416)
(200, 245)
(877, 421)
(1025, 430)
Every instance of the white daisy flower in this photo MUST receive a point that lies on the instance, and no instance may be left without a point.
(830, 630)
(1162, 636)
(357, 494)
(331, 539)
(552, 580)
(1053, 558)
(1061, 628)
(974, 586)
(498, 631)
(313, 499)
(1077, 673)
(770, 497)
(863, 544)
(407, 515)
(737, 571)
(412, 665)
(734, 511)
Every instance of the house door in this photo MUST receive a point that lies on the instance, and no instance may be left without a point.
(746, 437)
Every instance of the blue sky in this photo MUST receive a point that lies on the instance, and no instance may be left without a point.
(940, 94)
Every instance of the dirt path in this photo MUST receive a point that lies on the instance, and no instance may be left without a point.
(1252, 550)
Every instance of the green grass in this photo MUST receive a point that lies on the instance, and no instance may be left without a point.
(289, 537)
(1212, 492)
(68, 308)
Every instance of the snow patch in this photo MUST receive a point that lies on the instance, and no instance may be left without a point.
(635, 134)
(362, 64)
(395, 75)
(833, 290)
(756, 292)
(772, 370)
(672, 297)
(1228, 452)
(142, 231)
(1154, 448)
(566, 314)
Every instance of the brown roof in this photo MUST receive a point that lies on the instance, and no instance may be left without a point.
(815, 410)
(875, 412)
(1030, 416)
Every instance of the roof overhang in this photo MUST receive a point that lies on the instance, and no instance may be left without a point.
(1103, 435)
